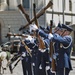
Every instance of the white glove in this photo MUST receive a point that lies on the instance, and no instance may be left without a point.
(40, 67)
(23, 54)
(33, 27)
(29, 38)
(32, 40)
(50, 36)
(47, 67)
(33, 64)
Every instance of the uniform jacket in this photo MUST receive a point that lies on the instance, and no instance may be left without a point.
(62, 47)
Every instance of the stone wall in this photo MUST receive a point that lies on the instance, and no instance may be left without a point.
(12, 18)
(15, 19)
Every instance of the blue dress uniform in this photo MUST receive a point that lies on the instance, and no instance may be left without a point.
(43, 60)
(42, 32)
(28, 63)
(26, 60)
(63, 47)
(44, 56)
(34, 48)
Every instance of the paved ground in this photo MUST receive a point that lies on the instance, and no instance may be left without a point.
(73, 65)
(18, 69)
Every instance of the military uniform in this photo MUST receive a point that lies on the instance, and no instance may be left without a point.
(26, 60)
(43, 55)
(43, 60)
(29, 63)
(47, 41)
(34, 47)
(62, 47)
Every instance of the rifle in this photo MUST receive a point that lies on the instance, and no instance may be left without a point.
(13, 59)
(53, 64)
(27, 49)
(41, 43)
(16, 63)
(40, 13)
(10, 34)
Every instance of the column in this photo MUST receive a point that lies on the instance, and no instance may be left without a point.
(66, 5)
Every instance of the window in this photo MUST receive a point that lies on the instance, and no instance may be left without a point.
(70, 5)
(26, 3)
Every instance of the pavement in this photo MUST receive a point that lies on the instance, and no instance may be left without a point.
(18, 68)
(72, 57)
(72, 72)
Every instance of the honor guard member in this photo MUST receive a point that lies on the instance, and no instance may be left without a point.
(26, 59)
(60, 50)
(29, 63)
(43, 64)
(34, 47)
(43, 60)
(63, 45)
(47, 30)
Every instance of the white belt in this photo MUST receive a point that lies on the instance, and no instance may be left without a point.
(42, 50)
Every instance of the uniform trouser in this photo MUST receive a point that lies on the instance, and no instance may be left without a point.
(26, 67)
(43, 58)
(35, 63)
(48, 72)
(63, 71)
(35, 68)
(39, 62)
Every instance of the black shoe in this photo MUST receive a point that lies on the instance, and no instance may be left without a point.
(10, 68)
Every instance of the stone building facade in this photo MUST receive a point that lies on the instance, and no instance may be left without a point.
(10, 16)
